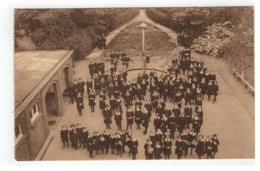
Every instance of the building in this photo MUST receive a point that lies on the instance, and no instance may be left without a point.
(41, 80)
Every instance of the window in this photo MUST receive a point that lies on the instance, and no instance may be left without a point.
(18, 132)
(34, 111)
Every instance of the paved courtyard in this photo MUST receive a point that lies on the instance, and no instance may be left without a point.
(231, 117)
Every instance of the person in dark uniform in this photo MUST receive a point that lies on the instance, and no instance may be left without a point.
(203, 87)
(178, 99)
(215, 91)
(181, 122)
(107, 116)
(74, 139)
(191, 138)
(129, 117)
(164, 123)
(80, 104)
(196, 124)
(154, 100)
(210, 90)
(208, 147)
(167, 147)
(159, 136)
(149, 152)
(84, 137)
(64, 135)
(200, 148)
(172, 125)
(148, 106)
(102, 144)
(188, 115)
(157, 122)
(118, 119)
(102, 102)
(96, 138)
(127, 99)
(79, 134)
(198, 103)
(148, 143)
(119, 146)
(145, 120)
(215, 143)
(138, 117)
(81, 86)
(158, 151)
(176, 110)
(90, 144)
(106, 135)
(112, 143)
(71, 132)
(179, 147)
(187, 96)
(112, 103)
(134, 147)
(92, 102)
(89, 85)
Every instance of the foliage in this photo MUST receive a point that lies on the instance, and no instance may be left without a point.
(226, 32)
(214, 39)
(74, 29)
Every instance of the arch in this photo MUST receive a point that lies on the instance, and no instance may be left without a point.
(52, 102)
(65, 79)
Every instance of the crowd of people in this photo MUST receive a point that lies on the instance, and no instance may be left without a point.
(77, 136)
(116, 56)
(184, 86)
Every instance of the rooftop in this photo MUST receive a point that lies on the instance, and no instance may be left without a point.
(30, 68)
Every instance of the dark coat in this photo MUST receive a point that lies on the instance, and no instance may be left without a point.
(130, 116)
(64, 135)
(167, 147)
(178, 147)
(215, 143)
(200, 148)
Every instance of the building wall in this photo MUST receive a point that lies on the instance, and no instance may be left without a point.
(38, 131)
(22, 150)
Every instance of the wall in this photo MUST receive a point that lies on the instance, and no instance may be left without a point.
(36, 132)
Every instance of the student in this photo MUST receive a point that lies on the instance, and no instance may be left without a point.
(215, 144)
(64, 135)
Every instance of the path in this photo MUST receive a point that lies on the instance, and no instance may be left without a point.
(231, 117)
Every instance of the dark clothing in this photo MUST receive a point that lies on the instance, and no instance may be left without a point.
(200, 148)
(179, 148)
(64, 134)
(134, 148)
(158, 152)
(167, 148)
(208, 148)
(130, 118)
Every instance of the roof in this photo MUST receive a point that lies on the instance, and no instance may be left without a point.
(30, 69)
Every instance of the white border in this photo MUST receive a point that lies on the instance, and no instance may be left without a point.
(7, 94)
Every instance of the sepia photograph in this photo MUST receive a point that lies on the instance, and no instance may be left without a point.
(159, 83)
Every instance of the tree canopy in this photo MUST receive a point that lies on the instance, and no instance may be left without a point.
(76, 29)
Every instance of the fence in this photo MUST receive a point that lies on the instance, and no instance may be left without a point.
(241, 79)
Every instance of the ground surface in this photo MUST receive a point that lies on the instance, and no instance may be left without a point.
(231, 117)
